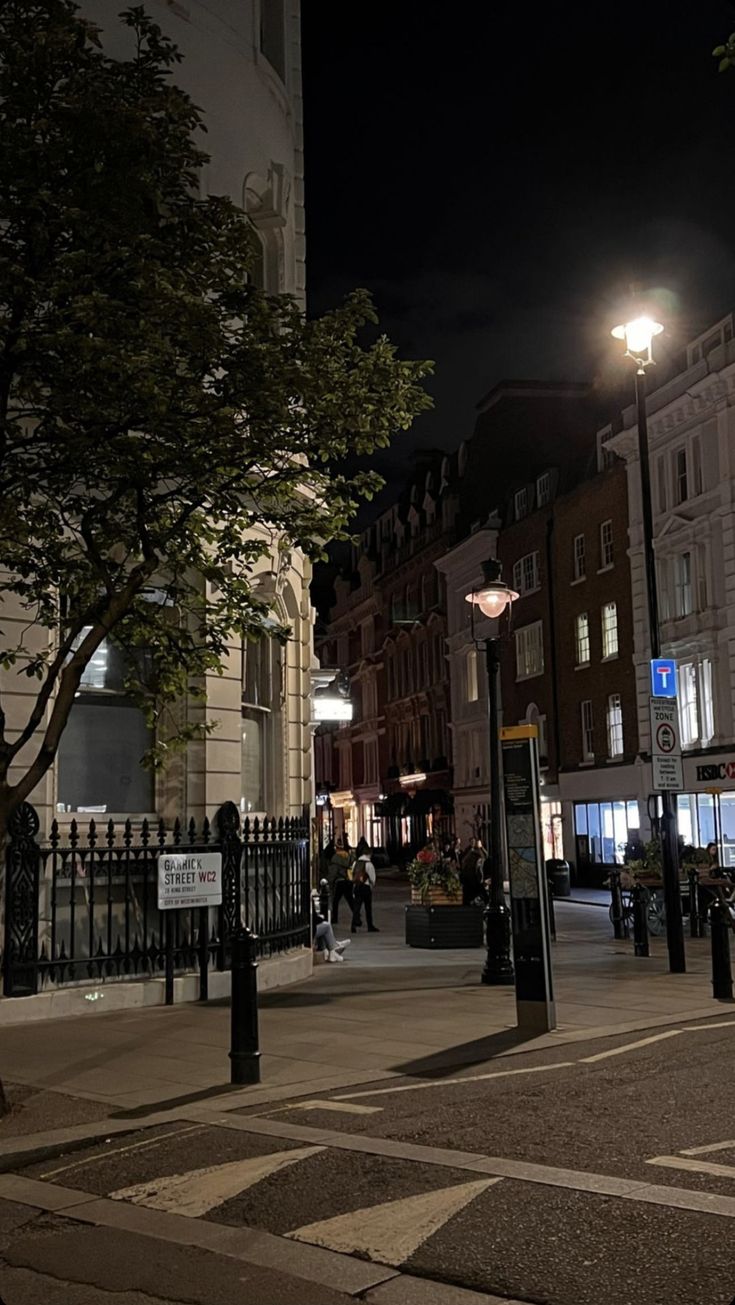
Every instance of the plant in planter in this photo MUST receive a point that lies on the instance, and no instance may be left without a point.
(434, 880)
(647, 867)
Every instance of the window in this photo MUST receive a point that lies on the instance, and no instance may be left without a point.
(371, 761)
(521, 503)
(696, 707)
(680, 476)
(606, 828)
(696, 466)
(682, 571)
(606, 545)
(661, 480)
(526, 574)
(543, 489)
(579, 566)
(609, 630)
(273, 35)
(422, 665)
(582, 639)
(614, 726)
(425, 740)
(588, 731)
(472, 689)
(366, 638)
(529, 651)
(99, 758)
(261, 718)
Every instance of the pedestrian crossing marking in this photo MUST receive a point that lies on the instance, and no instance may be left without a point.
(694, 1166)
(197, 1191)
(346, 1107)
(729, 1145)
(390, 1233)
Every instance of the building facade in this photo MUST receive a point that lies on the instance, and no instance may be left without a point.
(691, 435)
(241, 64)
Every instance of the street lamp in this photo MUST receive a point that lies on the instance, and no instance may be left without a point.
(494, 600)
(639, 335)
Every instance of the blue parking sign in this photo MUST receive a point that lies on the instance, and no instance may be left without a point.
(663, 677)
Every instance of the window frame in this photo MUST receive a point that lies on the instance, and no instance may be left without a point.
(614, 722)
(543, 489)
(579, 559)
(582, 640)
(520, 503)
(524, 640)
(587, 721)
(607, 545)
(610, 632)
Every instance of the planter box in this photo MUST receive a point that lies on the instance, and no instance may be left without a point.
(444, 926)
(434, 897)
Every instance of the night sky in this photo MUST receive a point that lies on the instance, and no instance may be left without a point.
(497, 175)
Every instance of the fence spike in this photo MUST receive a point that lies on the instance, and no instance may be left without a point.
(177, 832)
(110, 835)
(145, 832)
(205, 830)
(161, 832)
(54, 835)
(128, 832)
(73, 833)
(192, 830)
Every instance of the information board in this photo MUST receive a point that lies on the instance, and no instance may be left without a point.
(189, 879)
(527, 875)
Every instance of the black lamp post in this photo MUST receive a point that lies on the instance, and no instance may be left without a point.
(494, 600)
(638, 336)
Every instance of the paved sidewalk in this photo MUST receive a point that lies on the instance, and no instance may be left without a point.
(388, 1009)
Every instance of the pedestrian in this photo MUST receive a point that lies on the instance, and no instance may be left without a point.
(324, 936)
(363, 880)
(338, 876)
(471, 875)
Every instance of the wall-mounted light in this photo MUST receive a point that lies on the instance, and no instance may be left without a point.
(411, 781)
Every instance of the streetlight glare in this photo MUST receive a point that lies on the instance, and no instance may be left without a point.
(638, 334)
(492, 600)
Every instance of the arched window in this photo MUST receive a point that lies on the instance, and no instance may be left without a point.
(262, 745)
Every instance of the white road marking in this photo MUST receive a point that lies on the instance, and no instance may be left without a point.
(694, 1166)
(450, 1082)
(630, 1046)
(702, 1028)
(197, 1191)
(713, 1146)
(392, 1232)
(347, 1107)
(122, 1150)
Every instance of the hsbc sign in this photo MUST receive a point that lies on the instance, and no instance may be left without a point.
(715, 771)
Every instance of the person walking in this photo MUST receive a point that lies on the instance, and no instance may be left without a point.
(338, 877)
(363, 879)
(471, 872)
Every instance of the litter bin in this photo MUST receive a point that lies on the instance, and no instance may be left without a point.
(559, 876)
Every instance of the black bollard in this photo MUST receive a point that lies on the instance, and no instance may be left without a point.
(696, 921)
(619, 922)
(498, 969)
(324, 898)
(640, 922)
(244, 1051)
(719, 921)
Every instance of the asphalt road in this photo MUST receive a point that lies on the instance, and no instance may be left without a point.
(572, 1232)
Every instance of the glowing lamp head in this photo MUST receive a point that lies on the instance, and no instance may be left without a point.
(495, 596)
(638, 336)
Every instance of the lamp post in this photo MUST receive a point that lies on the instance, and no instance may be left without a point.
(638, 336)
(494, 600)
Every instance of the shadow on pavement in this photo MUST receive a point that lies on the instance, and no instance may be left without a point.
(468, 1053)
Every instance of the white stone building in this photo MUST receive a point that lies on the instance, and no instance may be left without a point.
(241, 65)
(691, 429)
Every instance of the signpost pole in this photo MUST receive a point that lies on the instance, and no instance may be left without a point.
(169, 960)
(528, 887)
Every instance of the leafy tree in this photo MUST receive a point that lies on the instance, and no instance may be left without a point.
(163, 423)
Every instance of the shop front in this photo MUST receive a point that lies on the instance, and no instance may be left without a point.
(603, 811)
(706, 809)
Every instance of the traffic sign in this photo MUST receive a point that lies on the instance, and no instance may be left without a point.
(189, 879)
(663, 677)
(665, 747)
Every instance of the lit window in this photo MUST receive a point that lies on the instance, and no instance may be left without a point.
(680, 476)
(521, 503)
(610, 630)
(582, 639)
(472, 690)
(529, 651)
(588, 731)
(579, 565)
(614, 726)
(543, 489)
(682, 567)
(606, 544)
(526, 574)
(696, 706)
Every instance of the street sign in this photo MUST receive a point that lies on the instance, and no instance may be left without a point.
(666, 765)
(527, 875)
(189, 879)
(663, 677)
